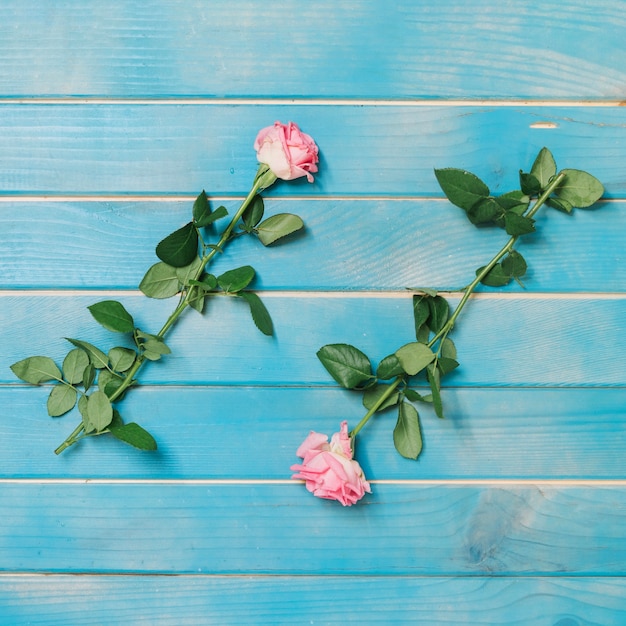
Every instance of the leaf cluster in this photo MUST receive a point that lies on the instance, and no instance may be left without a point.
(512, 211)
(432, 355)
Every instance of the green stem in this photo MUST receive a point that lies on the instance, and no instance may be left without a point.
(390, 389)
(505, 250)
(263, 179)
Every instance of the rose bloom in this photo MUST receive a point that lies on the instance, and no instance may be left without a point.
(329, 469)
(287, 151)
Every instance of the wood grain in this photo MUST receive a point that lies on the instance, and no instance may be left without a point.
(362, 49)
(189, 600)
(365, 150)
(389, 244)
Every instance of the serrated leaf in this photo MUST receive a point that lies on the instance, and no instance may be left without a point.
(96, 356)
(121, 359)
(514, 264)
(529, 183)
(579, 188)
(434, 380)
(208, 219)
(160, 281)
(439, 311)
(560, 205)
(413, 396)
(446, 364)
(253, 213)
(180, 247)
(89, 375)
(544, 167)
(134, 435)
(516, 201)
(448, 349)
(200, 206)
(484, 211)
(496, 277)
(407, 437)
(36, 370)
(414, 357)
(187, 273)
(516, 225)
(462, 188)
(99, 410)
(421, 311)
(346, 364)
(260, 315)
(389, 367)
(278, 226)
(113, 316)
(235, 280)
(107, 377)
(83, 401)
(372, 395)
(62, 399)
(208, 282)
(74, 366)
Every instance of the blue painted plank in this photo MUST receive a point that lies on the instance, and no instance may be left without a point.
(566, 434)
(365, 150)
(281, 529)
(397, 244)
(192, 600)
(501, 341)
(364, 48)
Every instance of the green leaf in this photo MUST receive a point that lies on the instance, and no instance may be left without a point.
(407, 437)
(372, 395)
(421, 311)
(253, 213)
(99, 410)
(153, 347)
(74, 366)
(413, 396)
(235, 280)
(514, 264)
(414, 357)
(433, 376)
(113, 316)
(96, 356)
(496, 277)
(544, 167)
(278, 226)
(208, 282)
(516, 225)
(462, 188)
(529, 183)
(134, 435)
(448, 349)
(579, 188)
(346, 364)
(446, 364)
(439, 312)
(186, 274)
(36, 370)
(484, 211)
(121, 359)
(107, 378)
(560, 205)
(180, 248)
(89, 375)
(516, 201)
(83, 401)
(62, 399)
(389, 367)
(218, 214)
(160, 281)
(260, 315)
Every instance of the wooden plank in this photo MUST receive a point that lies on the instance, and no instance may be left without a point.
(397, 244)
(503, 433)
(365, 150)
(353, 49)
(260, 528)
(501, 341)
(190, 600)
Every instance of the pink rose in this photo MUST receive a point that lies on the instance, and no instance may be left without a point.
(287, 151)
(329, 470)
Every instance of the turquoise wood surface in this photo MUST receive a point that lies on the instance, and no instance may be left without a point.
(114, 116)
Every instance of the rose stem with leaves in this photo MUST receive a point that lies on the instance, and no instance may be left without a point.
(264, 178)
(467, 292)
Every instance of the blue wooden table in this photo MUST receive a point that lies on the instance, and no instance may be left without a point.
(113, 117)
